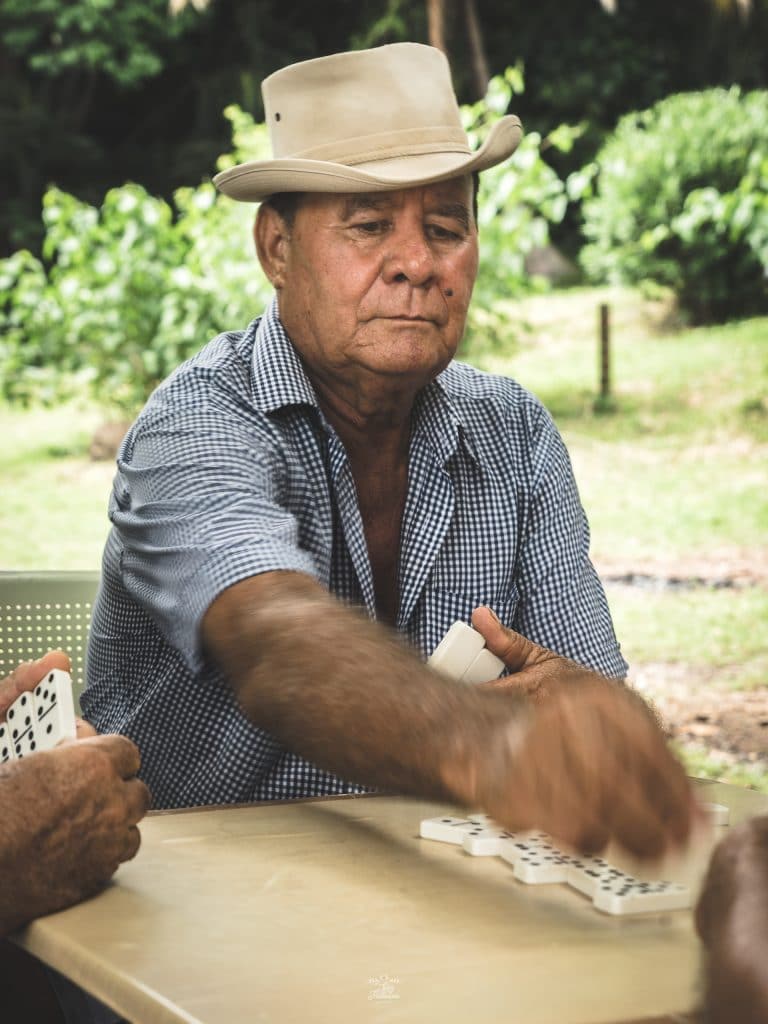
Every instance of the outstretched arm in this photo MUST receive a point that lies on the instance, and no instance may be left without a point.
(346, 694)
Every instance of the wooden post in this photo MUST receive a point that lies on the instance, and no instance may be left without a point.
(480, 71)
(605, 354)
(436, 23)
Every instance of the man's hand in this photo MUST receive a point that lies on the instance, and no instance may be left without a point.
(537, 671)
(732, 920)
(592, 767)
(68, 816)
(28, 675)
(589, 763)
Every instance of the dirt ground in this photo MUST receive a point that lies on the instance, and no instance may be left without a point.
(732, 726)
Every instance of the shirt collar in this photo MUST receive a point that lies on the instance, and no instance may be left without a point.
(278, 377)
(279, 380)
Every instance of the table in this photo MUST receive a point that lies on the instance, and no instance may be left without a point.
(335, 911)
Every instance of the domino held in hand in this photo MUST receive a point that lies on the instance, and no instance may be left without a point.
(54, 710)
(7, 752)
(20, 720)
(39, 720)
(461, 655)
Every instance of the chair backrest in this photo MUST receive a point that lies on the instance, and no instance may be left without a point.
(42, 611)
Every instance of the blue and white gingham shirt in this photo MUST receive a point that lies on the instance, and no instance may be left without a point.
(232, 470)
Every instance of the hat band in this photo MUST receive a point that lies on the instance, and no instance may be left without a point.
(385, 145)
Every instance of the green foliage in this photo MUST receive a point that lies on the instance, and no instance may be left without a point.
(517, 201)
(133, 289)
(682, 200)
(118, 38)
(130, 290)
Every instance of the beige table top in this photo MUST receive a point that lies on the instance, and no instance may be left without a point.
(335, 911)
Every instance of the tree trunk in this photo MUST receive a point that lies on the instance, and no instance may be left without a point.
(436, 23)
(480, 73)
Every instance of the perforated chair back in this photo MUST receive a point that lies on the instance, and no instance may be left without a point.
(42, 611)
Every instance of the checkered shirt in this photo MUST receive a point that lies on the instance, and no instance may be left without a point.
(232, 470)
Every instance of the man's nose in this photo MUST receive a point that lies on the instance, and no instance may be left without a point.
(410, 259)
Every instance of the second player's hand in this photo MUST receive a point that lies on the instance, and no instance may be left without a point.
(26, 677)
(70, 818)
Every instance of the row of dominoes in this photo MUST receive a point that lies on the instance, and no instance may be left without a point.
(462, 655)
(536, 860)
(39, 719)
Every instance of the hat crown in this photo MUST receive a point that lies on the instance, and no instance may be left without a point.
(366, 121)
(347, 106)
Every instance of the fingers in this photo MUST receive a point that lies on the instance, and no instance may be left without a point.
(52, 660)
(121, 751)
(598, 768)
(134, 842)
(514, 650)
(84, 729)
(138, 800)
(27, 675)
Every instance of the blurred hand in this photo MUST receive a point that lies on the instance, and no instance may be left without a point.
(587, 763)
(595, 767)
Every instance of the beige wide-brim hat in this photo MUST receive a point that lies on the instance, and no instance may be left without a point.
(365, 121)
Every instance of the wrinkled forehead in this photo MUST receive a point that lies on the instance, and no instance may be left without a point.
(454, 197)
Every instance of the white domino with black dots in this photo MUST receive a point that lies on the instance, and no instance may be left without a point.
(462, 655)
(40, 719)
(536, 860)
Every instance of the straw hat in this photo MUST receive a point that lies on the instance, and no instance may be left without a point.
(365, 121)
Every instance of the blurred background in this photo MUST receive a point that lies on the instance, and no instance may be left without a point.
(623, 279)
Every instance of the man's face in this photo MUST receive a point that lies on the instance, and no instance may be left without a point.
(376, 287)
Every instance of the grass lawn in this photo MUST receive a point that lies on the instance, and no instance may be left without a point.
(54, 509)
(674, 479)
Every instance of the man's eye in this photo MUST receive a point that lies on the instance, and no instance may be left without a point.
(443, 234)
(370, 227)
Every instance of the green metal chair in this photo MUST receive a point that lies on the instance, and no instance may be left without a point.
(41, 611)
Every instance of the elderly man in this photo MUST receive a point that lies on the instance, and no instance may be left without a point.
(302, 510)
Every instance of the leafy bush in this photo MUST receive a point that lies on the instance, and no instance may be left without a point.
(130, 290)
(517, 201)
(682, 200)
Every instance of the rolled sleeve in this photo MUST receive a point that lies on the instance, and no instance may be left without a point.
(197, 507)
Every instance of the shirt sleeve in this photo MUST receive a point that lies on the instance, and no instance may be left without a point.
(562, 602)
(197, 506)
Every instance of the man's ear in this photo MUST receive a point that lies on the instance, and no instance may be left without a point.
(271, 235)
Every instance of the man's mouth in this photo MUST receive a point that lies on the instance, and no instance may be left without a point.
(408, 316)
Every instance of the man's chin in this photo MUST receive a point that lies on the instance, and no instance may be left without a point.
(420, 352)
(408, 366)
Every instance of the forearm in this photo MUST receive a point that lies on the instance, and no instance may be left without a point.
(344, 693)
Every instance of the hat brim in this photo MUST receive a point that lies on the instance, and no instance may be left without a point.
(253, 181)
